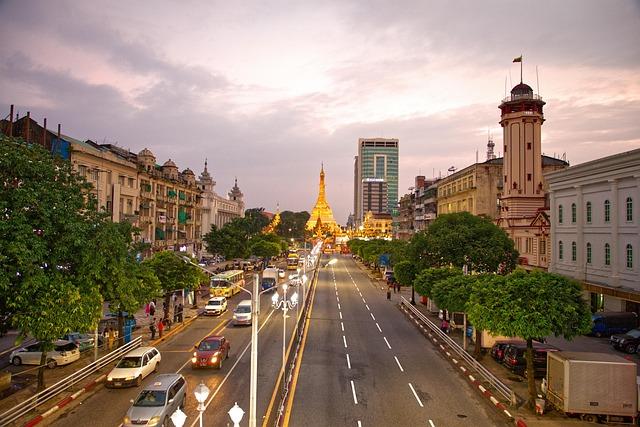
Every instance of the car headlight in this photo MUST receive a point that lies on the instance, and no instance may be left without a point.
(195, 354)
(109, 379)
(129, 378)
(154, 421)
(193, 359)
(126, 420)
(214, 358)
(235, 317)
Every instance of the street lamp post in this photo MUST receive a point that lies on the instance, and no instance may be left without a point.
(178, 418)
(284, 305)
(201, 392)
(236, 413)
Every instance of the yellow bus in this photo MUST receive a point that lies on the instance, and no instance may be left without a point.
(227, 284)
(292, 261)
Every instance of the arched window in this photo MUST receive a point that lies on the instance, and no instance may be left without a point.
(607, 254)
(560, 214)
(607, 211)
(574, 213)
(588, 253)
(629, 209)
(560, 250)
(629, 256)
(574, 251)
(589, 212)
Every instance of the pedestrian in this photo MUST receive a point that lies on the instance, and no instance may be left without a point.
(388, 292)
(180, 309)
(110, 338)
(175, 313)
(444, 326)
(146, 309)
(398, 285)
(164, 307)
(152, 328)
(160, 328)
(152, 308)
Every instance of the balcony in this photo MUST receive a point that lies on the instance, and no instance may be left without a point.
(131, 218)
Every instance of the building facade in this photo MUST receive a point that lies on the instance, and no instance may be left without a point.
(377, 158)
(218, 210)
(375, 197)
(595, 229)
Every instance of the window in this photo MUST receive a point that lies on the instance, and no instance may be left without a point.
(528, 177)
(529, 245)
(560, 214)
(574, 213)
(542, 245)
(560, 250)
(589, 212)
(607, 254)
(629, 209)
(629, 256)
(130, 182)
(121, 180)
(574, 251)
(82, 170)
(607, 211)
(588, 253)
(505, 148)
(528, 146)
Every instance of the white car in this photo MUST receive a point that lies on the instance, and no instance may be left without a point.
(63, 353)
(216, 305)
(134, 366)
(242, 313)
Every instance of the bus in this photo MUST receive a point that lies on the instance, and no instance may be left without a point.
(292, 261)
(226, 284)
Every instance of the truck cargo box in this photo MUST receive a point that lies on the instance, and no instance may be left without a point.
(592, 383)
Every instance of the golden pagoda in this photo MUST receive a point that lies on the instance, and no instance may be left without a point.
(321, 220)
(271, 228)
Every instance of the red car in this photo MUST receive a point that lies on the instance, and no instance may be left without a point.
(211, 352)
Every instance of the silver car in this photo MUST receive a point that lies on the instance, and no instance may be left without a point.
(157, 401)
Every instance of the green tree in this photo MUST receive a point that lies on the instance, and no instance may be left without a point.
(48, 221)
(428, 277)
(529, 305)
(264, 249)
(230, 241)
(292, 224)
(462, 238)
(174, 274)
(124, 282)
(405, 274)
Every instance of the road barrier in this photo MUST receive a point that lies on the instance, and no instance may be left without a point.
(38, 399)
(491, 379)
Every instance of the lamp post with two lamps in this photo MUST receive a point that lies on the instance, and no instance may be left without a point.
(285, 305)
(201, 392)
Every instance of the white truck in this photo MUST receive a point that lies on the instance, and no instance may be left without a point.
(269, 278)
(597, 387)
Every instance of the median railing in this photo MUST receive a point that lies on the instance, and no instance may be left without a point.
(62, 385)
(491, 379)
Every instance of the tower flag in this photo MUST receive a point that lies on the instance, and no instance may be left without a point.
(519, 59)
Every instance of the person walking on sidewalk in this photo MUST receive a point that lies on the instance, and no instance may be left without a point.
(444, 326)
(180, 310)
(388, 292)
(152, 308)
(152, 328)
(160, 328)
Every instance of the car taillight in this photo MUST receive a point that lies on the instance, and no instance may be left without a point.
(499, 353)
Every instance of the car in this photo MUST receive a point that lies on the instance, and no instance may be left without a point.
(281, 273)
(216, 306)
(628, 342)
(63, 353)
(134, 367)
(157, 401)
(211, 351)
(499, 347)
(84, 341)
(242, 313)
(515, 360)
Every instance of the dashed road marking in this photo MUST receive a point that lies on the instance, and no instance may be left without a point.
(398, 362)
(342, 326)
(348, 361)
(372, 316)
(344, 339)
(353, 390)
(367, 307)
(378, 326)
(340, 313)
(388, 345)
(431, 423)
(416, 395)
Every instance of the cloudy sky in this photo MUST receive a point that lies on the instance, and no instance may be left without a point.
(266, 90)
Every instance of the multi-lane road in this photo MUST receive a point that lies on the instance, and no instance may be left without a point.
(363, 365)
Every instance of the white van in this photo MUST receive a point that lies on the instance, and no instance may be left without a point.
(242, 313)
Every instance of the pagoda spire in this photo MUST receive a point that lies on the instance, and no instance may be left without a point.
(321, 213)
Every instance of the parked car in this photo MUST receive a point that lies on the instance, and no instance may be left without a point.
(63, 353)
(216, 306)
(499, 347)
(242, 313)
(157, 401)
(211, 351)
(608, 323)
(134, 367)
(84, 341)
(515, 358)
(628, 342)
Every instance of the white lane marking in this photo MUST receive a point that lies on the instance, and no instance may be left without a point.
(416, 395)
(388, 345)
(364, 300)
(399, 365)
(378, 327)
(340, 313)
(431, 423)
(359, 423)
(353, 390)
(348, 361)
(367, 307)
(345, 341)
(372, 316)
(339, 308)
(337, 297)
(342, 326)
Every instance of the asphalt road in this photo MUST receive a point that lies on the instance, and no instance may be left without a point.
(107, 407)
(365, 365)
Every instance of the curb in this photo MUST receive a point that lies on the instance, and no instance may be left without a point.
(65, 401)
(484, 391)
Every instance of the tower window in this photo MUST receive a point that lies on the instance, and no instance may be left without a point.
(528, 146)
(629, 209)
(607, 211)
(560, 214)
(574, 213)
(588, 253)
(528, 177)
(629, 256)
(505, 148)
(607, 254)
(560, 250)
(589, 212)
(574, 251)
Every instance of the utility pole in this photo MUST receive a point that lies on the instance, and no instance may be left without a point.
(253, 388)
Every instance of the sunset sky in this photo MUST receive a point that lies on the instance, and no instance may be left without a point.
(267, 90)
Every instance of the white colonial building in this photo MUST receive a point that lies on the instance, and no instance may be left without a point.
(595, 229)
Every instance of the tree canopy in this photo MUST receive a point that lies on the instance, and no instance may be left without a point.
(529, 305)
(453, 292)
(292, 224)
(404, 272)
(427, 278)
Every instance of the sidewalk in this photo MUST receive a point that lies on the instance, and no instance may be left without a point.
(516, 383)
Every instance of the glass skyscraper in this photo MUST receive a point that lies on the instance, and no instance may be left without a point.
(377, 159)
